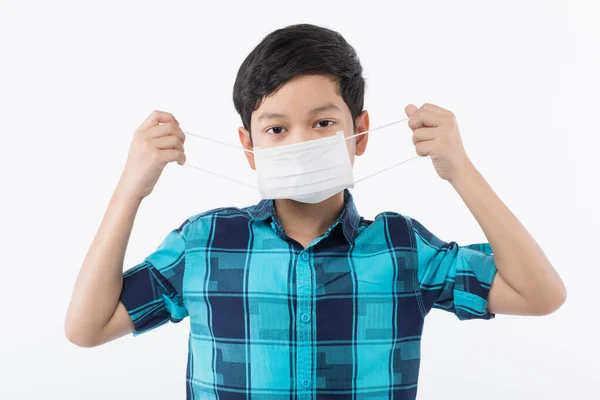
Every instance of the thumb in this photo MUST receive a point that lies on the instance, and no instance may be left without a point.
(410, 110)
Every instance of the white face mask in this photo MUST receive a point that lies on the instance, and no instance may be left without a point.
(308, 172)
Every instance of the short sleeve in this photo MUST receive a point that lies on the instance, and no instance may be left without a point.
(152, 289)
(452, 277)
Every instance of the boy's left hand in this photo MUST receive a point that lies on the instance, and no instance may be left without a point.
(436, 134)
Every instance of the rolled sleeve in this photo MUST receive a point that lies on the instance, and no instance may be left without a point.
(152, 289)
(452, 277)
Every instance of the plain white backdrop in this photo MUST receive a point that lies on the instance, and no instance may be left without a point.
(77, 78)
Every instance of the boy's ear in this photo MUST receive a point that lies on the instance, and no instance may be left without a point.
(362, 125)
(247, 144)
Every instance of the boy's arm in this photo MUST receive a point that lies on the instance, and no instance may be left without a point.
(96, 314)
(526, 282)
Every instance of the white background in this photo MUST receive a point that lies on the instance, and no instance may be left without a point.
(77, 78)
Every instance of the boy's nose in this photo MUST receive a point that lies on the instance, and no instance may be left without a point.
(306, 135)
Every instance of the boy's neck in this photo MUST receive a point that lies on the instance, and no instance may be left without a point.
(305, 222)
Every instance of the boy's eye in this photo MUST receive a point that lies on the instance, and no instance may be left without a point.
(277, 130)
(324, 123)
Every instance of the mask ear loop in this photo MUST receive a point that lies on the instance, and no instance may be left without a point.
(376, 129)
(390, 167)
(215, 173)
(233, 146)
(221, 176)
(250, 151)
(385, 169)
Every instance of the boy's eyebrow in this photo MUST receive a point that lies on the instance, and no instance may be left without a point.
(270, 115)
(325, 107)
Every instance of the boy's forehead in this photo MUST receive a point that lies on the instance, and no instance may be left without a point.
(301, 96)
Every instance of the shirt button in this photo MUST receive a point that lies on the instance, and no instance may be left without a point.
(305, 318)
(305, 383)
(305, 256)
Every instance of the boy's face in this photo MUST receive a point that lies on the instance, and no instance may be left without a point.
(305, 108)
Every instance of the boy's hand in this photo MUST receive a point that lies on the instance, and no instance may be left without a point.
(436, 134)
(158, 141)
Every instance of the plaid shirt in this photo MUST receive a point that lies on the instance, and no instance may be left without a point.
(339, 319)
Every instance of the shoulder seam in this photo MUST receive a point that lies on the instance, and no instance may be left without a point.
(444, 245)
(416, 281)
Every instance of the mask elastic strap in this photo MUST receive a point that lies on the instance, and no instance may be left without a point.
(215, 173)
(250, 151)
(375, 129)
(390, 167)
(233, 146)
(221, 176)
(386, 169)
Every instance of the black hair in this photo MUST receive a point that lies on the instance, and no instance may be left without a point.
(295, 50)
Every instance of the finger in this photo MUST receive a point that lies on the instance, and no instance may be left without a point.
(168, 142)
(431, 110)
(422, 134)
(155, 118)
(172, 155)
(166, 129)
(436, 109)
(410, 109)
(424, 148)
(425, 117)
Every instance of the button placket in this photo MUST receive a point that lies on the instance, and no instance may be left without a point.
(304, 367)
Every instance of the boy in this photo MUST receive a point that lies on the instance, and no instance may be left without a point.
(301, 297)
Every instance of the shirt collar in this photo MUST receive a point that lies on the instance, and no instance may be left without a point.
(349, 217)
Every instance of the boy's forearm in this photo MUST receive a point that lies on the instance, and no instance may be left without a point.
(520, 260)
(98, 286)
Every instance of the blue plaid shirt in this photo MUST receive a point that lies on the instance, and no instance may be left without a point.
(339, 319)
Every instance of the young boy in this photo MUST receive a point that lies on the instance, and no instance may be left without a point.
(300, 297)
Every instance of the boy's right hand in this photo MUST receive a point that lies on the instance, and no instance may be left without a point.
(158, 141)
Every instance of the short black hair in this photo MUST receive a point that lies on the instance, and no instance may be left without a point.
(301, 49)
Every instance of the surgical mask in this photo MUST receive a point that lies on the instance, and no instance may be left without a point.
(309, 172)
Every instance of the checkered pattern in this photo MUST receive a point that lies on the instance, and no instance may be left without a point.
(270, 319)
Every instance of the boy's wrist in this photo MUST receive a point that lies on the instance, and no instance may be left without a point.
(465, 177)
(123, 193)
